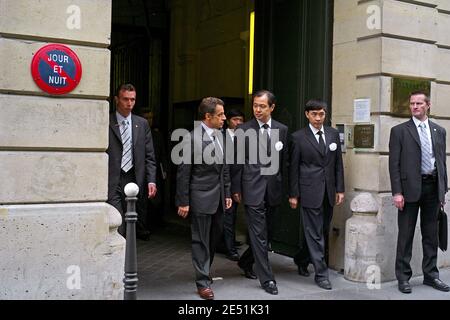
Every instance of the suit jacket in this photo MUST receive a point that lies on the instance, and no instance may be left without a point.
(405, 160)
(310, 171)
(143, 155)
(202, 186)
(247, 178)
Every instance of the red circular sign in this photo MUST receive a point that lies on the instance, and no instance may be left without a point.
(56, 69)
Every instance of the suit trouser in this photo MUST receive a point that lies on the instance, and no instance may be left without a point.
(257, 252)
(155, 206)
(316, 225)
(118, 201)
(206, 232)
(229, 226)
(302, 257)
(407, 219)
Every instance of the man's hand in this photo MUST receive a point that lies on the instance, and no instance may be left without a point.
(183, 211)
(399, 201)
(339, 198)
(151, 190)
(237, 197)
(228, 203)
(293, 202)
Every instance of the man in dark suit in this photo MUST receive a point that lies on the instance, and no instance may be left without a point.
(203, 189)
(316, 180)
(418, 172)
(228, 243)
(131, 157)
(157, 206)
(259, 183)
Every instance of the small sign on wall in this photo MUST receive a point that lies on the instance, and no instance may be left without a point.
(364, 136)
(56, 69)
(361, 110)
(401, 89)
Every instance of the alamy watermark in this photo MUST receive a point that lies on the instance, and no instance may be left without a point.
(74, 19)
(373, 22)
(373, 280)
(249, 147)
(73, 281)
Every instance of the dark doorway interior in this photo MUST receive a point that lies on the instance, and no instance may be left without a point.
(139, 51)
(293, 54)
(177, 52)
(139, 55)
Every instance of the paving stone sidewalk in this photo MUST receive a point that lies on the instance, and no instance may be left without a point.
(165, 272)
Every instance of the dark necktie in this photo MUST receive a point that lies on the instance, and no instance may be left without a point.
(322, 146)
(266, 136)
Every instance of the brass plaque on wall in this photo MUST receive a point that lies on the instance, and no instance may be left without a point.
(364, 136)
(401, 88)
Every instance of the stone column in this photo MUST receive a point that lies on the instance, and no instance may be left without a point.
(361, 238)
(58, 237)
(374, 42)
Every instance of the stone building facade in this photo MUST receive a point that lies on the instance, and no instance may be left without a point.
(374, 42)
(59, 238)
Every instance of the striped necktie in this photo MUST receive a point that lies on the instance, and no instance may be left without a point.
(127, 153)
(425, 149)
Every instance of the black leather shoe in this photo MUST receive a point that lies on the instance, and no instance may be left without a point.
(233, 257)
(437, 284)
(248, 273)
(303, 271)
(404, 287)
(270, 287)
(324, 284)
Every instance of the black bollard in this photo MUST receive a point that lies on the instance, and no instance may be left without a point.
(130, 280)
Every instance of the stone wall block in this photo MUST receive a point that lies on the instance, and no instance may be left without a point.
(68, 20)
(40, 122)
(43, 177)
(16, 74)
(61, 251)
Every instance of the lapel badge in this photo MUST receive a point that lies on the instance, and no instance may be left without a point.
(333, 146)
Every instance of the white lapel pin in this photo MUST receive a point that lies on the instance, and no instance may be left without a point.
(333, 146)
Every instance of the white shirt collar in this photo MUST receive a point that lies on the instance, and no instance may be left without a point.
(120, 118)
(269, 123)
(230, 132)
(314, 130)
(417, 122)
(208, 130)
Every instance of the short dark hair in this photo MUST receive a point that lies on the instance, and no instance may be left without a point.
(208, 105)
(271, 99)
(418, 92)
(316, 104)
(126, 87)
(234, 113)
